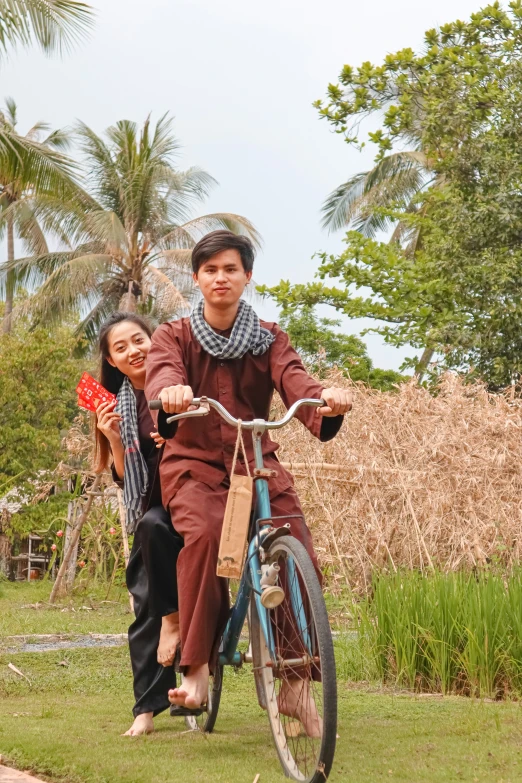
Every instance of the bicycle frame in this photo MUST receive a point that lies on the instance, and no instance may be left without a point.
(251, 576)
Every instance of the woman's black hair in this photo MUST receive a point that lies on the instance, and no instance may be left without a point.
(110, 377)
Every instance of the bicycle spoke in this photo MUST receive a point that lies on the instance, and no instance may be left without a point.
(295, 688)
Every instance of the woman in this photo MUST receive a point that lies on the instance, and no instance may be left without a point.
(125, 434)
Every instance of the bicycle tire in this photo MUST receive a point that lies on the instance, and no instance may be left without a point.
(207, 720)
(290, 757)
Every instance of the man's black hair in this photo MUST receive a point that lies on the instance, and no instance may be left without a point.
(216, 242)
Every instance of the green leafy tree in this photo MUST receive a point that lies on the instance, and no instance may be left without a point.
(54, 25)
(458, 102)
(131, 245)
(322, 347)
(38, 376)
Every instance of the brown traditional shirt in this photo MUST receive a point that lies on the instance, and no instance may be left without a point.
(204, 447)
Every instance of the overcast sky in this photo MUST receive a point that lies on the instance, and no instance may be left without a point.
(239, 76)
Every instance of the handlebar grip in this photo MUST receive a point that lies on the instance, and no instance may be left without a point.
(155, 405)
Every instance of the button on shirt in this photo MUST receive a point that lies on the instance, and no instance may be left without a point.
(203, 447)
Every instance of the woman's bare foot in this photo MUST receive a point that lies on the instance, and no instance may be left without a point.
(143, 724)
(193, 692)
(169, 639)
(296, 700)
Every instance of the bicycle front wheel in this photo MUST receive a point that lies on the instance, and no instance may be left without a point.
(299, 688)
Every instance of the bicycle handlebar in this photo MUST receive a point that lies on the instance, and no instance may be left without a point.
(205, 403)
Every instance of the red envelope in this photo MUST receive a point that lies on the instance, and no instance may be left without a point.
(91, 393)
(85, 404)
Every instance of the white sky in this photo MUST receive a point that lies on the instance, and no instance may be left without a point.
(240, 77)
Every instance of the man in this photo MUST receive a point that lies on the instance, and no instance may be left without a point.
(223, 351)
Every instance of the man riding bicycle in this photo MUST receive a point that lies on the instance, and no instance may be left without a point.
(225, 352)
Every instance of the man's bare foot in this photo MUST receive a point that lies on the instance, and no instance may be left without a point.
(169, 639)
(143, 724)
(193, 692)
(296, 700)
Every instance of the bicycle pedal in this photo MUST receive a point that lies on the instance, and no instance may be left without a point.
(178, 711)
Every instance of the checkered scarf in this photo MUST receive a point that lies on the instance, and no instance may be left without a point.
(136, 477)
(247, 334)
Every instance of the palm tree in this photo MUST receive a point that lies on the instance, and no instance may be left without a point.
(393, 183)
(131, 247)
(54, 25)
(31, 171)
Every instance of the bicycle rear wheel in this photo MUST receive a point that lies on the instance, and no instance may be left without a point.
(302, 679)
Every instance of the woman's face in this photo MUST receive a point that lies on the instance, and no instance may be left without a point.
(128, 349)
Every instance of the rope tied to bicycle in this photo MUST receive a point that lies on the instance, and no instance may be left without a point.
(240, 442)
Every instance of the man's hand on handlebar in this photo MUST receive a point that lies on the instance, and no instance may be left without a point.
(176, 399)
(338, 402)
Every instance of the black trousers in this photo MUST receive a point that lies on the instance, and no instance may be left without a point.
(151, 580)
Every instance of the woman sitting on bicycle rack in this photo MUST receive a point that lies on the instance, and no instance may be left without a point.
(225, 352)
(124, 344)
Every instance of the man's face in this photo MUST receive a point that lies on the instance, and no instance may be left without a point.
(222, 279)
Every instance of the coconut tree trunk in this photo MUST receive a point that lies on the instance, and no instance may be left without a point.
(10, 280)
(422, 366)
(128, 300)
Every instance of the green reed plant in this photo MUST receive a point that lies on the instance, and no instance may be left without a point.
(449, 633)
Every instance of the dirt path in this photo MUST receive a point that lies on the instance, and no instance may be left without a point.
(51, 642)
(8, 775)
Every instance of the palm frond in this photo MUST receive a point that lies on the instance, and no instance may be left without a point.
(187, 235)
(89, 326)
(392, 182)
(33, 272)
(60, 139)
(72, 287)
(32, 164)
(169, 297)
(55, 25)
(28, 229)
(177, 258)
(11, 112)
(38, 128)
(105, 226)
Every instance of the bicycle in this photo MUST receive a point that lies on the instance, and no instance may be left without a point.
(290, 637)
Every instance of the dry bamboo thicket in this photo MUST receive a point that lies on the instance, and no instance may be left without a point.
(421, 481)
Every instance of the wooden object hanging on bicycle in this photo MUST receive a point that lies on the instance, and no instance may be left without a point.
(232, 546)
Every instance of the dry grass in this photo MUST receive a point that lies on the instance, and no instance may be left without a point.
(424, 481)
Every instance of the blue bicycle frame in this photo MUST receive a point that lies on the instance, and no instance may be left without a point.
(251, 577)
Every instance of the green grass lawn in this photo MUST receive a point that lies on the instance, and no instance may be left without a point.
(66, 723)
(25, 609)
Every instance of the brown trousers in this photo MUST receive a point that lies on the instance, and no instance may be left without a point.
(197, 513)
